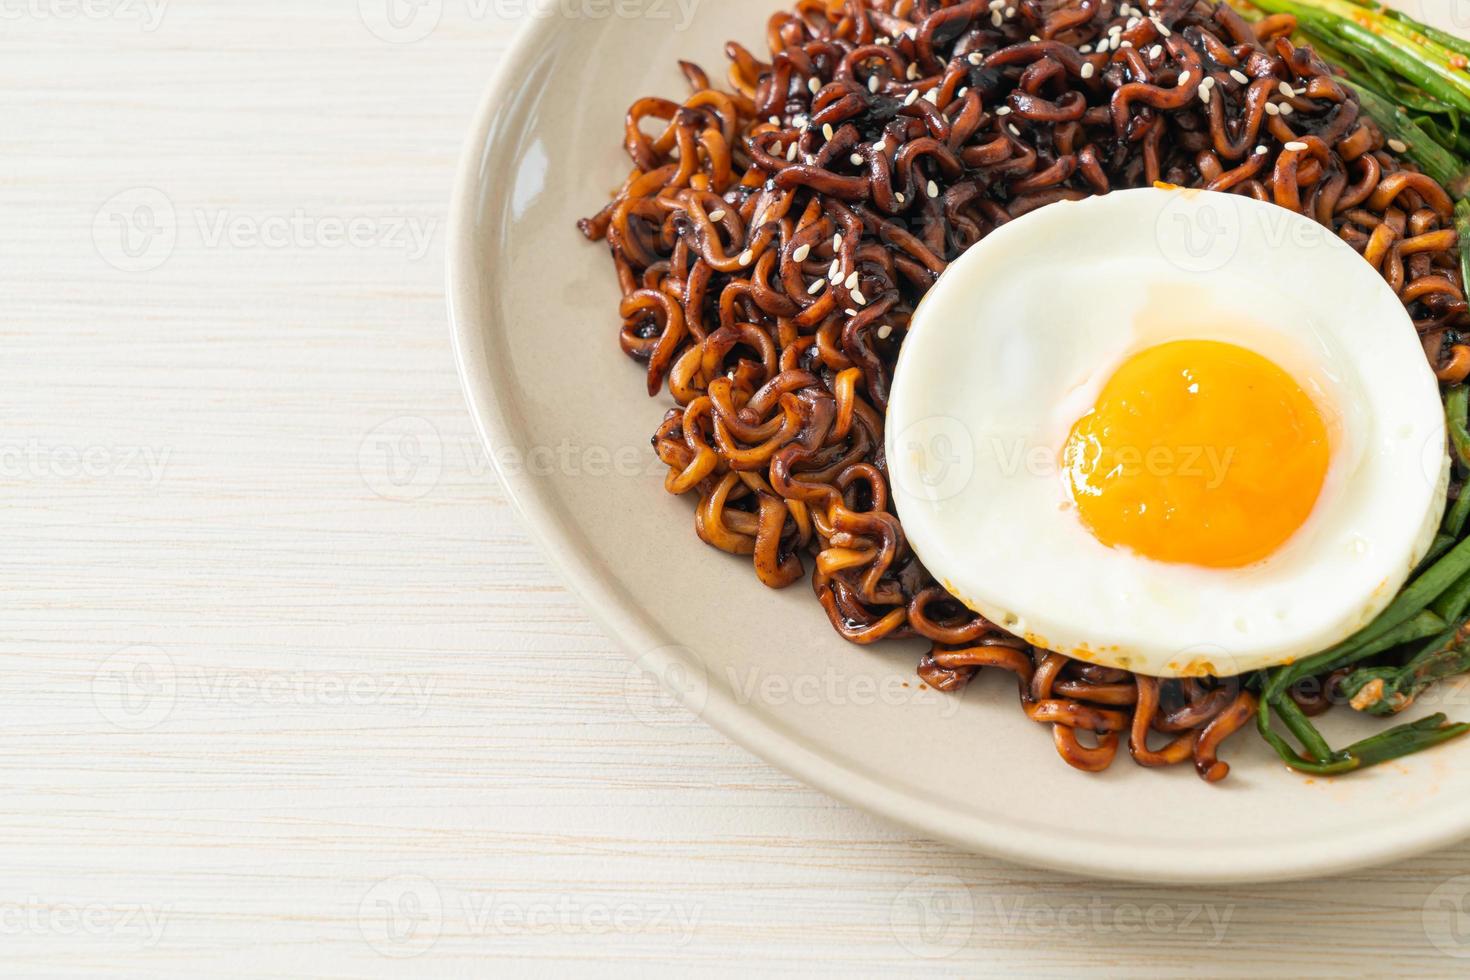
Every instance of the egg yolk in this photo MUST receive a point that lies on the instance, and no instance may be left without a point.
(1198, 452)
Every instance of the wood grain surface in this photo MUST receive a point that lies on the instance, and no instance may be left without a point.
(285, 689)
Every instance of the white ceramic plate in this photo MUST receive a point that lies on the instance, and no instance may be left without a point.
(565, 416)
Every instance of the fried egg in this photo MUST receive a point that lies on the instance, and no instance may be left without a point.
(1176, 432)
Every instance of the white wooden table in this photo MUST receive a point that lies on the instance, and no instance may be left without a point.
(285, 691)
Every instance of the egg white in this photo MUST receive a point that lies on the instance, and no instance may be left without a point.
(1014, 343)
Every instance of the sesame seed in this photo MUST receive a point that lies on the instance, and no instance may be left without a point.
(880, 146)
(827, 132)
(997, 18)
(777, 149)
(1035, 37)
(1160, 27)
(1013, 129)
(1088, 70)
(717, 215)
(912, 97)
(1157, 51)
(747, 257)
(1085, 49)
(852, 281)
(817, 287)
(791, 152)
(1116, 29)
(873, 84)
(851, 312)
(1296, 145)
(775, 120)
(857, 159)
(933, 189)
(1209, 81)
(1184, 77)
(1398, 146)
(1004, 110)
(997, 4)
(1125, 44)
(884, 332)
(932, 96)
(1240, 76)
(802, 251)
(1287, 109)
(837, 243)
(964, 91)
(1286, 89)
(900, 197)
(975, 58)
(835, 273)
(1204, 95)
(912, 72)
(859, 298)
(1010, 12)
(1132, 22)
(814, 85)
(1272, 109)
(1261, 151)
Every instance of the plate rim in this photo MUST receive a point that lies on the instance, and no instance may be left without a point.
(555, 536)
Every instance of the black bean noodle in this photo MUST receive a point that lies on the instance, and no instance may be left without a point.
(774, 239)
